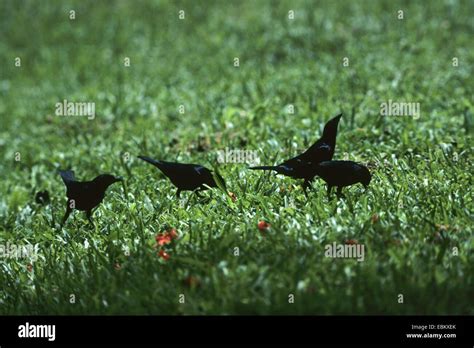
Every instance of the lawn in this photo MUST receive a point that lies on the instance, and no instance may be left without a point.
(248, 76)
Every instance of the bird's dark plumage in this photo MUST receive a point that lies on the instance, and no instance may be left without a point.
(186, 176)
(324, 148)
(342, 173)
(85, 195)
(42, 197)
(302, 166)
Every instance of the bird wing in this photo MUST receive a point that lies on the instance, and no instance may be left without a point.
(325, 147)
(286, 168)
(318, 152)
(294, 163)
(200, 170)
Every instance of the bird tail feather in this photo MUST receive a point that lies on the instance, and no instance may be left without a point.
(265, 168)
(67, 175)
(150, 160)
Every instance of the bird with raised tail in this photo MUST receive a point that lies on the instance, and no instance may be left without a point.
(302, 166)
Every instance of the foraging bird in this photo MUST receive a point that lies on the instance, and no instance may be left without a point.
(302, 166)
(185, 176)
(341, 174)
(85, 195)
(42, 197)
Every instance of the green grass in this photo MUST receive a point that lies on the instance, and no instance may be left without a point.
(422, 168)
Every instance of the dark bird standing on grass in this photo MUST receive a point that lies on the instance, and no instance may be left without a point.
(342, 173)
(42, 197)
(302, 166)
(186, 177)
(85, 195)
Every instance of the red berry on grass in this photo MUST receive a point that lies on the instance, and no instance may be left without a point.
(263, 225)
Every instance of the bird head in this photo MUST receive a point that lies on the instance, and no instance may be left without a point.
(105, 180)
(218, 181)
(42, 197)
(330, 129)
(213, 181)
(366, 177)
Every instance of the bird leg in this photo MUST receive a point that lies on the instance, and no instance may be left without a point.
(305, 185)
(178, 192)
(66, 215)
(89, 217)
(339, 192)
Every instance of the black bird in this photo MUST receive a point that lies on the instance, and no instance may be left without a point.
(342, 173)
(42, 197)
(85, 195)
(302, 166)
(185, 176)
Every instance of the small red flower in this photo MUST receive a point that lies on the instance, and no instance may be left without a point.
(164, 255)
(263, 225)
(167, 237)
(162, 239)
(29, 267)
(173, 233)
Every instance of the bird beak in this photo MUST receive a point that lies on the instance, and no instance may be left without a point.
(119, 178)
